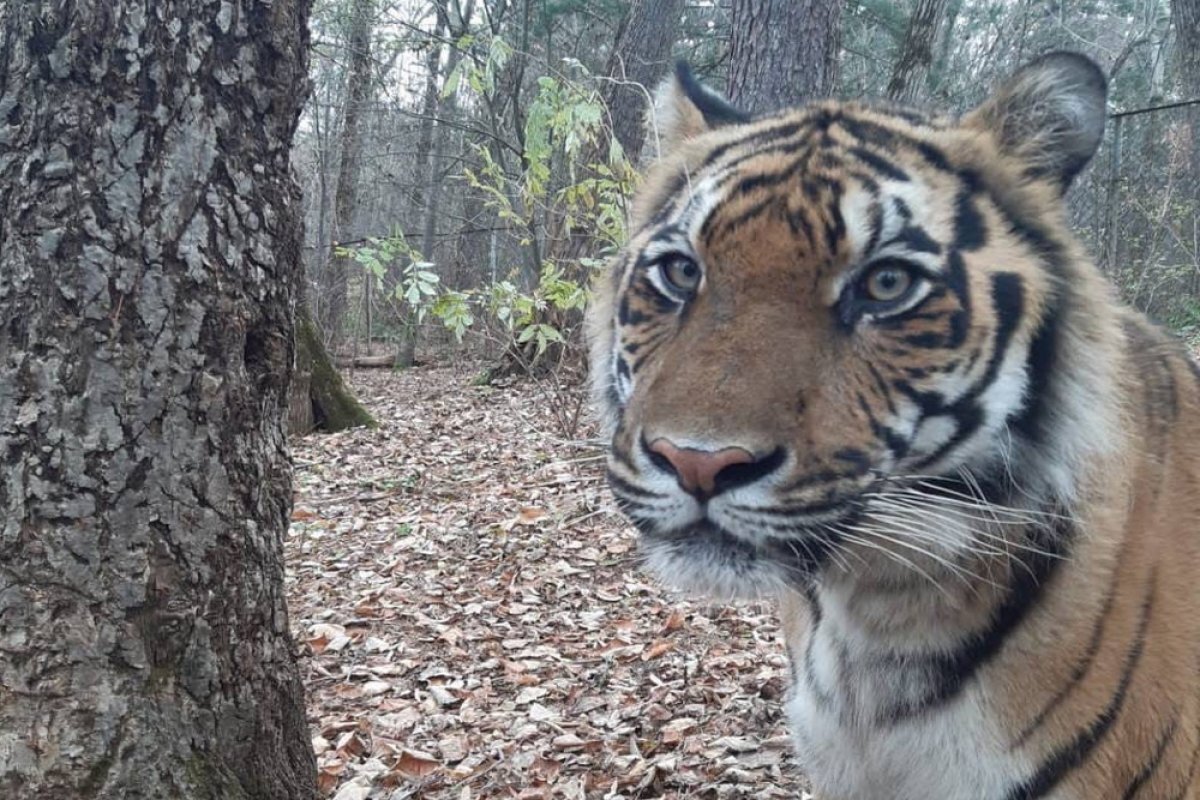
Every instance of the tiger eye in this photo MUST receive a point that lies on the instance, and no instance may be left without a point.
(887, 283)
(681, 275)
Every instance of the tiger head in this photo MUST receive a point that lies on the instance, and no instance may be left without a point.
(824, 303)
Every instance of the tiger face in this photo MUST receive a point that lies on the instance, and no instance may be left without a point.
(822, 306)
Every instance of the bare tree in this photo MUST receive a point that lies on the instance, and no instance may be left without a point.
(357, 94)
(782, 52)
(425, 177)
(150, 261)
(455, 20)
(1185, 18)
(640, 59)
(916, 51)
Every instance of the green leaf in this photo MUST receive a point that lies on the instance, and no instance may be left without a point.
(452, 80)
(616, 153)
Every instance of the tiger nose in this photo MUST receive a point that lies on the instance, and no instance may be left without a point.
(705, 472)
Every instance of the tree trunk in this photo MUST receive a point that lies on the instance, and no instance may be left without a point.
(331, 406)
(783, 52)
(149, 258)
(429, 154)
(916, 51)
(1185, 17)
(937, 79)
(320, 397)
(445, 108)
(318, 263)
(456, 26)
(640, 60)
(424, 178)
(345, 199)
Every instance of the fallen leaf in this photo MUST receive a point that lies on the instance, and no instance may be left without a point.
(416, 763)
(659, 648)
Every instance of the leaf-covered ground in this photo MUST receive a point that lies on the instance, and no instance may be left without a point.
(476, 624)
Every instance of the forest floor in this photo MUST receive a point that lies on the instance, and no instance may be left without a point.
(476, 624)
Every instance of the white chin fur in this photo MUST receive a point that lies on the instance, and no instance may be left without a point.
(703, 570)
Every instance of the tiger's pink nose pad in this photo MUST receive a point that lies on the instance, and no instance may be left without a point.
(697, 470)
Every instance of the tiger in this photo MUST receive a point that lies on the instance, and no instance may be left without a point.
(852, 360)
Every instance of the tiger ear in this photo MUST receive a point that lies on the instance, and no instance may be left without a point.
(685, 108)
(1050, 115)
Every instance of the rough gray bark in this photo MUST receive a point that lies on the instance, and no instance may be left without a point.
(640, 60)
(345, 198)
(916, 51)
(149, 256)
(331, 406)
(783, 52)
(1185, 18)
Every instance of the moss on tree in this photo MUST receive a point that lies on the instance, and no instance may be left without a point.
(333, 404)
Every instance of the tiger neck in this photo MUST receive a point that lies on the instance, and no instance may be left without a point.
(939, 618)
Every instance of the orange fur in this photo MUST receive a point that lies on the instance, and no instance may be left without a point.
(1061, 429)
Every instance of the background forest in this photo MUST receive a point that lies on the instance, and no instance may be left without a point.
(377, 582)
(466, 163)
(476, 619)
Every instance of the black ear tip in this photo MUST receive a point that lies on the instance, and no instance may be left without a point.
(716, 109)
(687, 79)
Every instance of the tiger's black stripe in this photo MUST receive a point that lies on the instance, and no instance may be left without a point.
(1148, 769)
(1043, 360)
(824, 697)
(1081, 669)
(1008, 298)
(897, 444)
(875, 225)
(883, 387)
(798, 221)
(620, 484)
(954, 670)
(1068, 757)
(916, 240)
(757, 143)
(880, 164)
(970, 232)
(1193, 763)
(712, 228)
(623, 458)
(648, 348)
